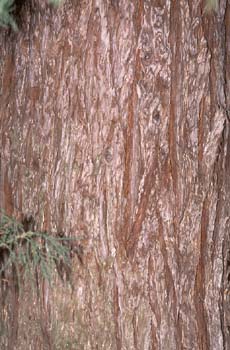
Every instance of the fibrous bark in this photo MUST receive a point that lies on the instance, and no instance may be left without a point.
(114, 124)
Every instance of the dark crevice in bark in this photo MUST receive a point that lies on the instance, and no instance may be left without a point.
(227, 59)
(225, 292)
(221, 299)
(218, 181)
(116, 318)
(175, 89)
(199, 288)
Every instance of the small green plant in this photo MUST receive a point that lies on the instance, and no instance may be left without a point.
(30, 252)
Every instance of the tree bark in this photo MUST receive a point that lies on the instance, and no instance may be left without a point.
(114, 125)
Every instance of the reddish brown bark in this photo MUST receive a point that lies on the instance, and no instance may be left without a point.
(114, 125)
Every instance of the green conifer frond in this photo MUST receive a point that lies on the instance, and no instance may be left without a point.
(28, 252)
(211, 5)
(55, 2)
(6, 18)
(6, 9)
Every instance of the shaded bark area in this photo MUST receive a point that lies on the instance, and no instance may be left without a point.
(114, 128)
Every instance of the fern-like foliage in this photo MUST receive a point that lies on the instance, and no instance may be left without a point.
(30, 252)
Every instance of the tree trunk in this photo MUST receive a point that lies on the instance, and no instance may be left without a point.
(114, 125)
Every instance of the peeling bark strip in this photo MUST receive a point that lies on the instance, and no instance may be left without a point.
(114, 128)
